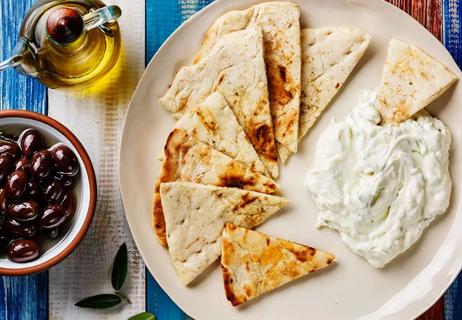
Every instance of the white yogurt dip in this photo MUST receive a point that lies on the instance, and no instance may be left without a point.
(380, 186)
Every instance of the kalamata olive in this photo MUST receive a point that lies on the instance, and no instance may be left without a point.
(23, 250)
(67, 181)
(41, 164)
(53, 216)
(16, 184)
(6, 162)
(32, 189)
(53, 191)
(22, 164)
(53, 233)
(65, 160)
(30, 141)
(17, 230)
(69, 204)
(9, 147)
(3, 200)
(25, 211)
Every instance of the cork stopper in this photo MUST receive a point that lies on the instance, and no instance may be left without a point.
(64, 25)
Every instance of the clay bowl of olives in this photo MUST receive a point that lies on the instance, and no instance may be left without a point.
(47, 192)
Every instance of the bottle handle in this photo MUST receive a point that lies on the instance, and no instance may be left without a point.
(97, 18)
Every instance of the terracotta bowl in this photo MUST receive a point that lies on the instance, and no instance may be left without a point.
(54, 251)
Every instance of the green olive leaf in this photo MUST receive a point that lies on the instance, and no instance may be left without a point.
(100, 301)
(120, 267)
(143, 316)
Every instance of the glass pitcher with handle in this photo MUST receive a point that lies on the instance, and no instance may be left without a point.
(67, 43)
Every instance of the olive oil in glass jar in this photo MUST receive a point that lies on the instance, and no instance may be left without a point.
(67, 43)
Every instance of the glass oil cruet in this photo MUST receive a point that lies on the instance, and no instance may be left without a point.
(67, 43)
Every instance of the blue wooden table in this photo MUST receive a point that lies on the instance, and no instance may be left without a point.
(27, 297)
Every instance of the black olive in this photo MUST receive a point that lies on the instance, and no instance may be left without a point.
(10, 148)
(67, 181)
(53, 216)
(32, 189)
(16, 184)
(30, 141)
(23, 250)
(6, 162)
(3, 200)
(41, 164)
(17, 230)
(65, 160)
(26, 211)
(69, 204)
(22, 164)
(52, 192)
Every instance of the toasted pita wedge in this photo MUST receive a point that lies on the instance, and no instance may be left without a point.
(281, 34)
(234, 67)
(195, 215)
(411, 80)
(329, 55)
(253, 263)
(187, 159)
(215, 124)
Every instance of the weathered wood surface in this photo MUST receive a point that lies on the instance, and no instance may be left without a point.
(96, 117)
(19, 92)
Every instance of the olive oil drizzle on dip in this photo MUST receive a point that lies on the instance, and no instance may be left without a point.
(380, 186)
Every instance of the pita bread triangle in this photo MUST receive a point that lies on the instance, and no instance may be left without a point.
(329, 55)
(253, 263)
(235, 67)
(214, 123)
(195, 215)
(411, 80)
(189, 160)
(281, 34)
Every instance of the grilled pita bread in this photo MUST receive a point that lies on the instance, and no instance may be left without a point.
(215, 124)
(253, 263)
(329, 55)
(195, 215)
(281, 34)
(234, 67)
(187, 159)
(411, 80)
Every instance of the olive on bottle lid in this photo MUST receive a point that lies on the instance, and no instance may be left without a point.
(64, 25)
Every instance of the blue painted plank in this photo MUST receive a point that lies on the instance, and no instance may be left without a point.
(452, 39)
(24, 298)
(162, 18)
(17, 91)
(158, 302)
(21, 298)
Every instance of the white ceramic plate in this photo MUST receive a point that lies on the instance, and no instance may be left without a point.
(351, 288)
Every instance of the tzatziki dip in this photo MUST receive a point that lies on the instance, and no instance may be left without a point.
(380, 186)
